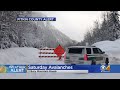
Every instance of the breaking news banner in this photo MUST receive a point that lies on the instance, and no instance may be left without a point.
(74, 68)
(60, 68)
(13, 69)
(35, 19)
(55, 68)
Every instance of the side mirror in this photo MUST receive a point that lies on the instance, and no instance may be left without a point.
(103, 52)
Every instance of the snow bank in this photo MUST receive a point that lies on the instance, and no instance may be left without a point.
(109, 45)
(112, 48)
(24, 55)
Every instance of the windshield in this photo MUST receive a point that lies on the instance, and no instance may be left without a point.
(97, 51)
(76, 50)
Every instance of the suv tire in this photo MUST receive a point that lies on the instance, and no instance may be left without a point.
(107, 61)
(93, 62)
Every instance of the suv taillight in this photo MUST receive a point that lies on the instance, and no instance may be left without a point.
(85, 57)
(65, 56)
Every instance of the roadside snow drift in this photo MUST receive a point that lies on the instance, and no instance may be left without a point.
(112, 48)
(24, 55)
(109, 46)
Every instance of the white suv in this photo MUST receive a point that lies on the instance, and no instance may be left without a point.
(85, 55)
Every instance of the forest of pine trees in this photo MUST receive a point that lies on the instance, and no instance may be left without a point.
(109, 29)
(28, 34)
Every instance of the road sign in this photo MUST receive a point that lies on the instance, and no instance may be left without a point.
(59, 51)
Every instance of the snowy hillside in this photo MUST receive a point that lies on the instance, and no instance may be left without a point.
(49, 35)
(30, 33)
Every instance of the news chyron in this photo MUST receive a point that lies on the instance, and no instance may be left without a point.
(36, 19)
(60, 68)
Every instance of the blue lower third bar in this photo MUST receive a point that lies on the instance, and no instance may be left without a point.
(77, 68)
(60, 68)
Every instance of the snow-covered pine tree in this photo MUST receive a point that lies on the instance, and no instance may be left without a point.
(96, 35)
(21, 28)
(113, 25)
(9, 28)
(109, 29)
(28, 33)
(4, 31)
(88, 37)
(104, 29)
(4, 36)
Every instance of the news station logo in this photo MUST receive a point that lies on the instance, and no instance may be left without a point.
(105, 68)
(3, 69)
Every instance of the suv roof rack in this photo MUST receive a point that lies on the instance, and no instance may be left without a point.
(93, 46)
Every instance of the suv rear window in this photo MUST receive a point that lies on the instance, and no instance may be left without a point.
(97, 51)
(76, 50)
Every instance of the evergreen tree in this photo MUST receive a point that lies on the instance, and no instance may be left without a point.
(4, 37)
(109, 29)
(113, 25)
(104, 29)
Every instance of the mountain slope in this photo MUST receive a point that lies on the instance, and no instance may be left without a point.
(49, 35)
(29, 33)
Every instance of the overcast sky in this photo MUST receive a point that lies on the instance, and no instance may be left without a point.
(74, 23)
